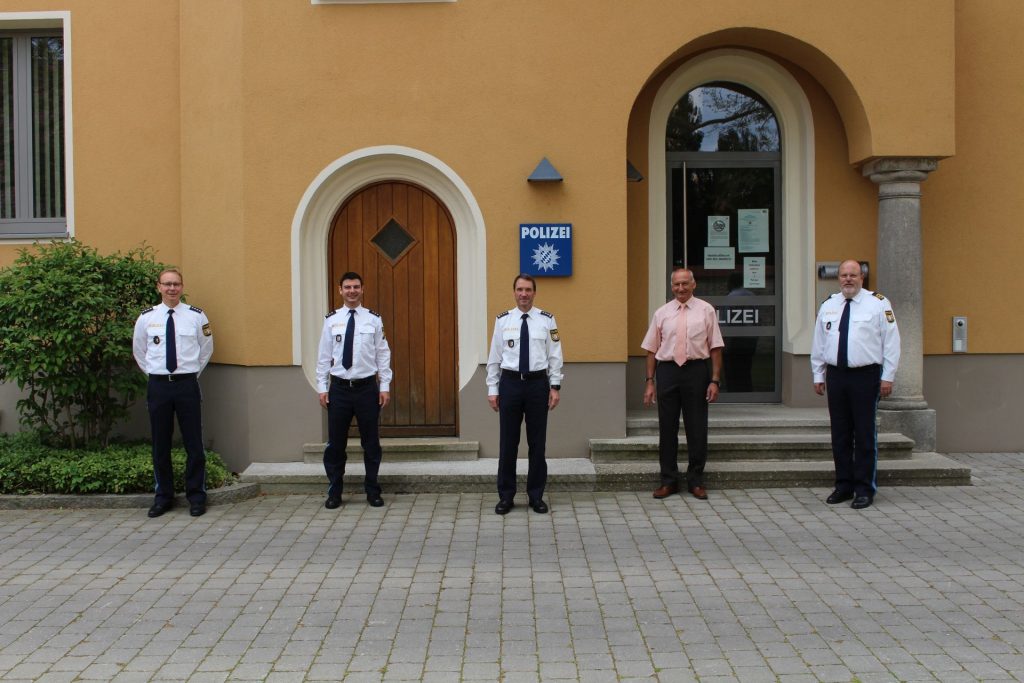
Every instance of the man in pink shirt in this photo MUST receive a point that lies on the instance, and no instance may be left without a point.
(683, 334)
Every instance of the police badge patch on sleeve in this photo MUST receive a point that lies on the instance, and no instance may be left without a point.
(890, 317)
(554, 334)
(206, 330)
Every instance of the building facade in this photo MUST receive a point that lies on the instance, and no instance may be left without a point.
(266, 146)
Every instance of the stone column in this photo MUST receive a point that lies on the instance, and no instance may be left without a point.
(898, 274)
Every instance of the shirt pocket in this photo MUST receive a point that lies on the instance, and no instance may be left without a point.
(510, 338)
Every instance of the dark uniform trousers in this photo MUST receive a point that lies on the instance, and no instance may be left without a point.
(683, 388)
(346, 401)
(518, 398)
(852, 401)
(165, 399)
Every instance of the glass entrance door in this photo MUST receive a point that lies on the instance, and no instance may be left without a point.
(724, 226)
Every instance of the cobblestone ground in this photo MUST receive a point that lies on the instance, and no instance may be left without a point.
(756, 585)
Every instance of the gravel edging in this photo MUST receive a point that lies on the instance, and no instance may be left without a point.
(231, 493)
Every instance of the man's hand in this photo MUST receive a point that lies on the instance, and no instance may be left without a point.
(324, 400)
(649, 395)
(712, 393)
(885, 389)
(552, 398)
(819, 388)
(493, 401)
(384, 399)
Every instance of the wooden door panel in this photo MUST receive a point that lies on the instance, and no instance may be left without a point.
(416, 296)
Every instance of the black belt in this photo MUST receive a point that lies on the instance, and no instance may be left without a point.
(861, 368)
(352, 382)
(180, 377)
(512, 374)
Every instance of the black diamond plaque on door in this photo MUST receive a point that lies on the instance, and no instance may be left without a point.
(393, 240)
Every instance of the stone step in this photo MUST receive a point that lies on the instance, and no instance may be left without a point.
(582, 474)
(443, 448)
(647, 425)
(745, 447)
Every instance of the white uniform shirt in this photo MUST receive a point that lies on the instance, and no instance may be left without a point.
(545, 346)
(370, 352)
(193, 340)
(874, 337)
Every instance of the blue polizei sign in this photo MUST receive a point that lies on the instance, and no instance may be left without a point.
(545, 249)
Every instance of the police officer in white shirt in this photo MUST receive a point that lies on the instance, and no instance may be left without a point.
(855, 353)
(172, 344)
(353, 376)
(524, 377)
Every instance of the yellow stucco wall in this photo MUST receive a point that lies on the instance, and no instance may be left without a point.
(973, 204)
(199, 124)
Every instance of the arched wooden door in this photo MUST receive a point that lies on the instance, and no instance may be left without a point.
(401, 239)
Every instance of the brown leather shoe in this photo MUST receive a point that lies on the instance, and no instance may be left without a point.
(699, 492)
(665, 491)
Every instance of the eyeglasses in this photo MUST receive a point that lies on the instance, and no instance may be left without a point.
(170, 284)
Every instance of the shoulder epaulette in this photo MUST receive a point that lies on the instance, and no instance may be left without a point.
(330, 314)
(148, 310)
(826, 298)
(501, 315)
(194, 309)
(547, 315)
(879, 296)
(372, 312)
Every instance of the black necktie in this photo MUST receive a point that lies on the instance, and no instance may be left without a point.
(172, 346)
(524, 346)
(350, 333)
(842, 359)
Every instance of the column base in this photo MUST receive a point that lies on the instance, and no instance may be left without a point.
(919, 425)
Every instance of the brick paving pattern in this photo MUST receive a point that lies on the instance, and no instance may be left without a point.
(754, 585)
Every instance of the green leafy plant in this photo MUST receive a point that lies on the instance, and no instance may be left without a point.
(66, 320)
(27, 465)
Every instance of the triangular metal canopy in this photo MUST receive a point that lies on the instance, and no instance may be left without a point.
(545, 173)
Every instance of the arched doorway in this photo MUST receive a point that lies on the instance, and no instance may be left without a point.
(401, 239)
(723, 173)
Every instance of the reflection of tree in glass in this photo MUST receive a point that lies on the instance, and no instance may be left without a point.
(683, 130)
(723, 117)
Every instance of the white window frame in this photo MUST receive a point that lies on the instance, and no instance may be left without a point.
(26, 230)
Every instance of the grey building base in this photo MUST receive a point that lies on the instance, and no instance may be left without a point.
(918, 425)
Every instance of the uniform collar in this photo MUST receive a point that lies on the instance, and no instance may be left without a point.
(532, 312)
(345, 309)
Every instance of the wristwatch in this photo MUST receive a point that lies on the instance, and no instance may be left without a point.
(716, 383)
(556, 387)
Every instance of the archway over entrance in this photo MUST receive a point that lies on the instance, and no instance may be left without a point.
(785, 96)
(312, 222)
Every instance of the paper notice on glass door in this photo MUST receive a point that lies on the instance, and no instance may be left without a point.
(753, 272)
(719, 258)
(718, 231)
(752, 227)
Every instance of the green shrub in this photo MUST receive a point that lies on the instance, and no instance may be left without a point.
(66, 320)
(27, 465)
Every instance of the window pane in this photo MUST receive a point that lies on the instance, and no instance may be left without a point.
(48, 126)
(7, 184)
(722, 117)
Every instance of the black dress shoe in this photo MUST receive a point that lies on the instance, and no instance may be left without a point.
(197, 509)
(861, 502)
(837, 497)
(539, 506)
(159, 509)
(333, 503)
(374, 500)
(503, 507)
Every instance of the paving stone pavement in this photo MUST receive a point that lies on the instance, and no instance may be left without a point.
(752, 585)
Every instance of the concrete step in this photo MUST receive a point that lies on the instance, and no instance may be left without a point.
(582, 474)
(646, 424)
(745, 447)
(442, 448)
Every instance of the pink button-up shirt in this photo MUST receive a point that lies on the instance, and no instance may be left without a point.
(702, 330)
